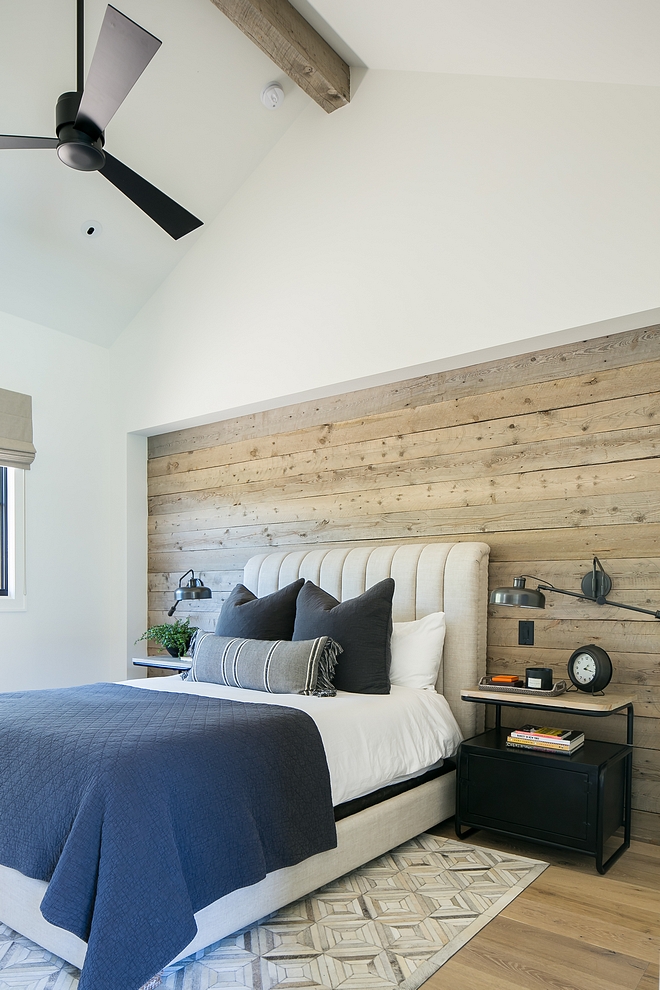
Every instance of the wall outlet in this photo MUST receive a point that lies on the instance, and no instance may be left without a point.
(525, 633)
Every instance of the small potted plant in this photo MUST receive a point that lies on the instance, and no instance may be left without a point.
(176, 637)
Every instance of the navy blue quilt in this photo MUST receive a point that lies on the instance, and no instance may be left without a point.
(141, 807)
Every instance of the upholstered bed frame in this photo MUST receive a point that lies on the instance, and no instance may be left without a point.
(449, 577)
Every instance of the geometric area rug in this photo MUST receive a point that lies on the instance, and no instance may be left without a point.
(389, 925)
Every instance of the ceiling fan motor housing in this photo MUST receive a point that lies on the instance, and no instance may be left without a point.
(77, 148)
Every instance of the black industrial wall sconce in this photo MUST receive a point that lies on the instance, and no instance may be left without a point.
(596, 585)
(193, 591)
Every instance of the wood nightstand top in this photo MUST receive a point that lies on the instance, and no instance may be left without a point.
(577, 701)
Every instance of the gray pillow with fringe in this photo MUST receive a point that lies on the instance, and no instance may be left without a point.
(275, 666)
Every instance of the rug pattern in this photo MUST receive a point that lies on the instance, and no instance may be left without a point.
(389, 924)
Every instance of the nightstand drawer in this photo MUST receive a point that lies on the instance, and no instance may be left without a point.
(573, 801)
(539, 798)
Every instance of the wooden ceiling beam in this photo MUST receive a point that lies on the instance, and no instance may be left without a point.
(292, 43)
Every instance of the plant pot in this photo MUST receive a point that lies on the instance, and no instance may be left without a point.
(173, 653)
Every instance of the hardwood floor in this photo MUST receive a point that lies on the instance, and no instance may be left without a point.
(570, 930)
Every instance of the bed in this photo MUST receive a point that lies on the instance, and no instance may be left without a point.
(428, 578)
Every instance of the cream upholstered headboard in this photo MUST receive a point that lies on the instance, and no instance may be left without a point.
(429, 577)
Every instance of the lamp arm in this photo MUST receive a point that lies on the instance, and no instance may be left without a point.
(544, 584)
(631, 608)
(189, 571)
(597, 601)
(560, 591)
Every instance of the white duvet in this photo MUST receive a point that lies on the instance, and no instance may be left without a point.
(370, 739)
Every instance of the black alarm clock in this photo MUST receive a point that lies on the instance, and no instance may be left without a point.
(590, 668)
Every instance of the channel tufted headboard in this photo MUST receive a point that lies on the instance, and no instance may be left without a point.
(429, 577)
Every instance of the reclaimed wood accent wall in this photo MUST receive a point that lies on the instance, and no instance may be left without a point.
(550, 457)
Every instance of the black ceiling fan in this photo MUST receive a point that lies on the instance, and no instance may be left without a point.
(123, 51)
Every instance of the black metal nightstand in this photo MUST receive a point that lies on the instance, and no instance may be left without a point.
(575, 802)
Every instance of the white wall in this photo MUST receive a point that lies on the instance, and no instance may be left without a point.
(435, 216)
(68, 634)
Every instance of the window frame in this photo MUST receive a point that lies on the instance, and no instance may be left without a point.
(13, 596)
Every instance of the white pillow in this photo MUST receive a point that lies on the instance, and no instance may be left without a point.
(417, 651)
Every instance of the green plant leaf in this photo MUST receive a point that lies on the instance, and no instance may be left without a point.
(175, 635)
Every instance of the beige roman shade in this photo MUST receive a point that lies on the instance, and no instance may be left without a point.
(16, 447)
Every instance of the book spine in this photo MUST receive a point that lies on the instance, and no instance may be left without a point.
(537, 745)
(543, 749)
(540, 738)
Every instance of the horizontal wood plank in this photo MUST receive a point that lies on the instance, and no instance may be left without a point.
(162, 600)
(637, 573)
(205, 621)
(312, 526)
(212, 560)
(562, 607)
(506, 548)
(646, 828)
(629, 668)
(582, 484)
(621, 635)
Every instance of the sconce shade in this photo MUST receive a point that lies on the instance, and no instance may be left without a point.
(518, 596)
(193, 591)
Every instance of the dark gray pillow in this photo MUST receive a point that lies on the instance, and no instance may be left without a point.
(363, 627)
(248, 617)
(281, 667)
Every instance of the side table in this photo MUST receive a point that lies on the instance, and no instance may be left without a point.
(574, 802)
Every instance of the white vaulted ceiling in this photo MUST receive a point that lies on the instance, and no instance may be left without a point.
(195, 127)
(608, 41)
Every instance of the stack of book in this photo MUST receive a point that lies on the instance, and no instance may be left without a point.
(546, 739)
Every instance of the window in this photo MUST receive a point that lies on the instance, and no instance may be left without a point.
(12, 540)
(4, 535)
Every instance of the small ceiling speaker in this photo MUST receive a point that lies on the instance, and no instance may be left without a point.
(91, 229)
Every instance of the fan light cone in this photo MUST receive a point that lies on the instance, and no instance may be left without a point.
(81, 153)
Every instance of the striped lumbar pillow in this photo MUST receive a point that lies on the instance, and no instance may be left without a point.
(278, 666)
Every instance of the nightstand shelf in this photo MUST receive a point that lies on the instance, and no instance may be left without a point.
(163, 663)
(575, 802)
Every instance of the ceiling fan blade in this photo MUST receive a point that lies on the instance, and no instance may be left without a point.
(166, 213)
(123, 52)
(20, 141)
